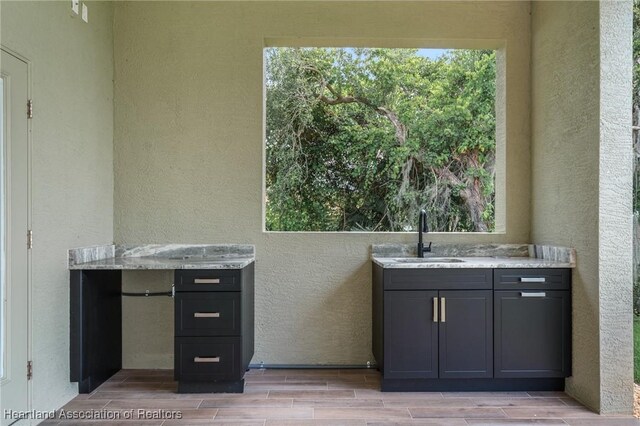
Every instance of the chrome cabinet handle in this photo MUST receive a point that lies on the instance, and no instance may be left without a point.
(435, 309)
(443, 306)
(532, 279)
(206, 359)
(206, 281)
(206, 314)
(538, 294)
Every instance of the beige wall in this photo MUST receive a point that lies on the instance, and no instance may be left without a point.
(72, 171)
(581, 181)
(188, 164)
(615, 208)
(188, 157)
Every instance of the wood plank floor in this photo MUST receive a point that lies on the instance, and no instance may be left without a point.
(320, 397)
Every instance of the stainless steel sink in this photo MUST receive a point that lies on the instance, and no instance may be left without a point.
(194, 259)
(428, 260)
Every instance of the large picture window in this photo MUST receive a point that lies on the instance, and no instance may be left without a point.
(362, 139)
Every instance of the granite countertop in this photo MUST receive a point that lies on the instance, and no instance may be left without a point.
(402, 256)
(162, 256)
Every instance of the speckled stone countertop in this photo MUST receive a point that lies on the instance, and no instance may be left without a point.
(403, 256)
(163, 256)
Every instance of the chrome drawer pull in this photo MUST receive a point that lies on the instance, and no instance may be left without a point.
(206, 359)
(538, 294)
(532, 279)
(435, 309)
(443, 315)
(206, 314)
(206, 281)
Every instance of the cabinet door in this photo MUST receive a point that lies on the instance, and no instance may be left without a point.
(533, 333)
(466, 334)
(410, 335)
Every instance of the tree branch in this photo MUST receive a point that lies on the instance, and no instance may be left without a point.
(401, 129)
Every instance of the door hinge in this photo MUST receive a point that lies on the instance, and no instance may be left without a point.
(29, 239)
(29, 370)
(29, 108)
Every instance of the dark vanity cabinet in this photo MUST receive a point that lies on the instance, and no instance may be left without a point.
(532, 321)
(214, 328)
(95, 343)
(213, 313)
(433, 324)
(432, 334)
(471, 329)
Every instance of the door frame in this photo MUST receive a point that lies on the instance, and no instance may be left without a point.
(29, 219)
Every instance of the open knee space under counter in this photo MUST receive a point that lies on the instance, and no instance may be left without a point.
(213, 312)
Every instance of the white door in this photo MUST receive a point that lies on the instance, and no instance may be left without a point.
(14, 198)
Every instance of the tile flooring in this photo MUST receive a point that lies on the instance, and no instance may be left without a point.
(320, 397)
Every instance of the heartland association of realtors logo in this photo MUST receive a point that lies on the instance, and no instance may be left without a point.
(31, 414)
(62, 414)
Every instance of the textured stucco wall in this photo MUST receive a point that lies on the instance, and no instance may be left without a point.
(72, 164)
(581, 181)
(188, 157)
(615, 209)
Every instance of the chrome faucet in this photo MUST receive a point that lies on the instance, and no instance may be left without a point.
(422, 227)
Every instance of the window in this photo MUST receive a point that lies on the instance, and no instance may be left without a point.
(362, 139)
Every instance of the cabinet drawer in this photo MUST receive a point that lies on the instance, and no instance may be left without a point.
(199, 359)
(438, 279)
(207, 314)
(532, 279)
(207, 280)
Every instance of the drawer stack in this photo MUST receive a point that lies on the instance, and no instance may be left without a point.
(214, 328)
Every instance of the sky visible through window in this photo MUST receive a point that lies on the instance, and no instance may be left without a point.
(432, 54)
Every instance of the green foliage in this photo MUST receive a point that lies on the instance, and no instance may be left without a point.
(636, 145)
(636, 185)
(636, 53)
(636, 97)
(362, 139)
(636, 354)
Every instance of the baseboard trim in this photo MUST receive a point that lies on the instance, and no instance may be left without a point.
(472, 385)
(233, 386)
(314, 366)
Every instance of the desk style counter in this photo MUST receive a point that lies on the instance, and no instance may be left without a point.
(214, 312)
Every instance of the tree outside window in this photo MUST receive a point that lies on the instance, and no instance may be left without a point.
(362, 139)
